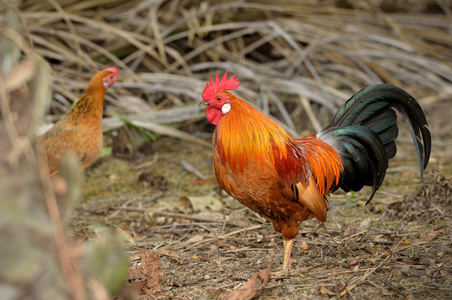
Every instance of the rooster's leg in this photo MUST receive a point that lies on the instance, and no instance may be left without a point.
(286, 254)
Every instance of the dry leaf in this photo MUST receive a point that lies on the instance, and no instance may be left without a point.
(324, 291)
(429, 236)
(252, 288)
(146, 276)
(444, 273)
(204, 203)
(195, 239)
(125, 235)
(304, 246)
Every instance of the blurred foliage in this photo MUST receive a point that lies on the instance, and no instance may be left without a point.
(37, 260)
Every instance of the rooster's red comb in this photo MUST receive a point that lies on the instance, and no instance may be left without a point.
(216, 86)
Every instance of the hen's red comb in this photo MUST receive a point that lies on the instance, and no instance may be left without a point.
(113, 70)
(224, 84)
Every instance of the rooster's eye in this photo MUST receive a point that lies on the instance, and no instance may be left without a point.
(219, 98)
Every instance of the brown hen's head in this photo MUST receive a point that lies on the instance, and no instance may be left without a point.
(215, 97)
(110, 77)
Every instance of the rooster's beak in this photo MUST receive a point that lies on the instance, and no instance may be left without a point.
(203, 103)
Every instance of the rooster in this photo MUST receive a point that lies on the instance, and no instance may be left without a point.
(79, 131)
(286, 180)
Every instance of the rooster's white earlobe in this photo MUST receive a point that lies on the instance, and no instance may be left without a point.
(226, 108)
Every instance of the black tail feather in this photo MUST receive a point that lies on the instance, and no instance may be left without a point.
(364, 129)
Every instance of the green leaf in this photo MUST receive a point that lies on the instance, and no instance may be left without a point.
(106, 151)
(101, 229)
(141, 129)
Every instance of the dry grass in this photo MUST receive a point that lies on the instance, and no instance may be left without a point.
(297, 62)
(283, 52)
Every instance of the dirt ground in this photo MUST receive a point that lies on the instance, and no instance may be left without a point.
(208, 244)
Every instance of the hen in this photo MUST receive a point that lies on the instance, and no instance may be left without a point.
(286, 180)
(80, 130)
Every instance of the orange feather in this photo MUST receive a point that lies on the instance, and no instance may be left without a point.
(258, 129)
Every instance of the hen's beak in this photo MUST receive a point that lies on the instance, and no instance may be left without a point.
(203, 103)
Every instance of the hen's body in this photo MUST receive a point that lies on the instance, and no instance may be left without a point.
(80, 131)
(287, 180)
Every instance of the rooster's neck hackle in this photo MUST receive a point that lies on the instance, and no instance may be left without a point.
(245, 132)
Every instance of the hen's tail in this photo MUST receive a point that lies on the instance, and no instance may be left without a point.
(363, 132)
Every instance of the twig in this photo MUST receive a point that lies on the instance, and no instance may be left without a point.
(226, 235)
(353, 235)
(281, 108)
(191, 169)
(70, 270)
(345, 272)
(308, 109)
(181, 216)
(362, 279)
(394, 288)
